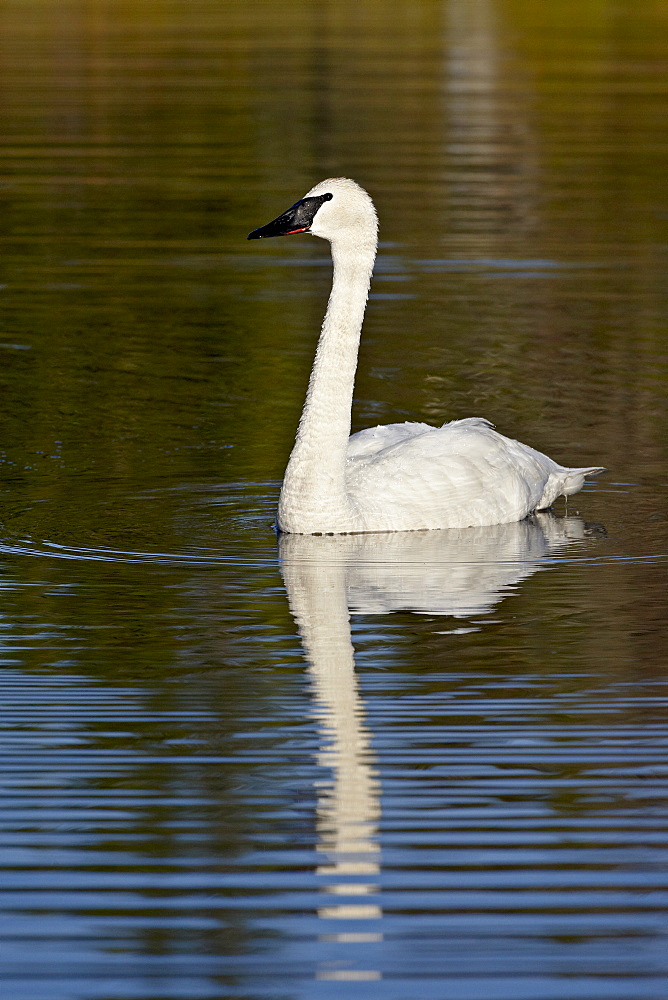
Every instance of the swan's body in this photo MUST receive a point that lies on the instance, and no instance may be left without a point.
(398, 477)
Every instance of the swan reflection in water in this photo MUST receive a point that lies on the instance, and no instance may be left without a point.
(461, 573)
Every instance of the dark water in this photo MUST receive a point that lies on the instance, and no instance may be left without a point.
(431, 767)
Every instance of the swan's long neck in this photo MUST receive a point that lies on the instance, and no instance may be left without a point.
(313, 497)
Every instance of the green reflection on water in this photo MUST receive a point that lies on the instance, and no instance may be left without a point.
(152, 359)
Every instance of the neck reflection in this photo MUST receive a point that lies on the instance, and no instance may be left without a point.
(349, 805)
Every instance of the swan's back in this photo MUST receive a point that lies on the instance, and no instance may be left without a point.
(414, 476)
(373, 440)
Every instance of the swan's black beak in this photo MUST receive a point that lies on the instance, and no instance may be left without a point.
(297, 219)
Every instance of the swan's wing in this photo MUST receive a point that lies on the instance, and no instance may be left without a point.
(463, 473)
(375, 439)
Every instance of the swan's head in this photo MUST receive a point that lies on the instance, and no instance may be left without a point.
(338, 210)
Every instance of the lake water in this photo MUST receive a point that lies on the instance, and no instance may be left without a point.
(426, 767)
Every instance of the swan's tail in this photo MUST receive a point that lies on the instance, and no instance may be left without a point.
(574, 479)
(564, 482)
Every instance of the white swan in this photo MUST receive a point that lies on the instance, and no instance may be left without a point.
(400, 477)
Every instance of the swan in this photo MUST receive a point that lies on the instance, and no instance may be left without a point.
(398, 477)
